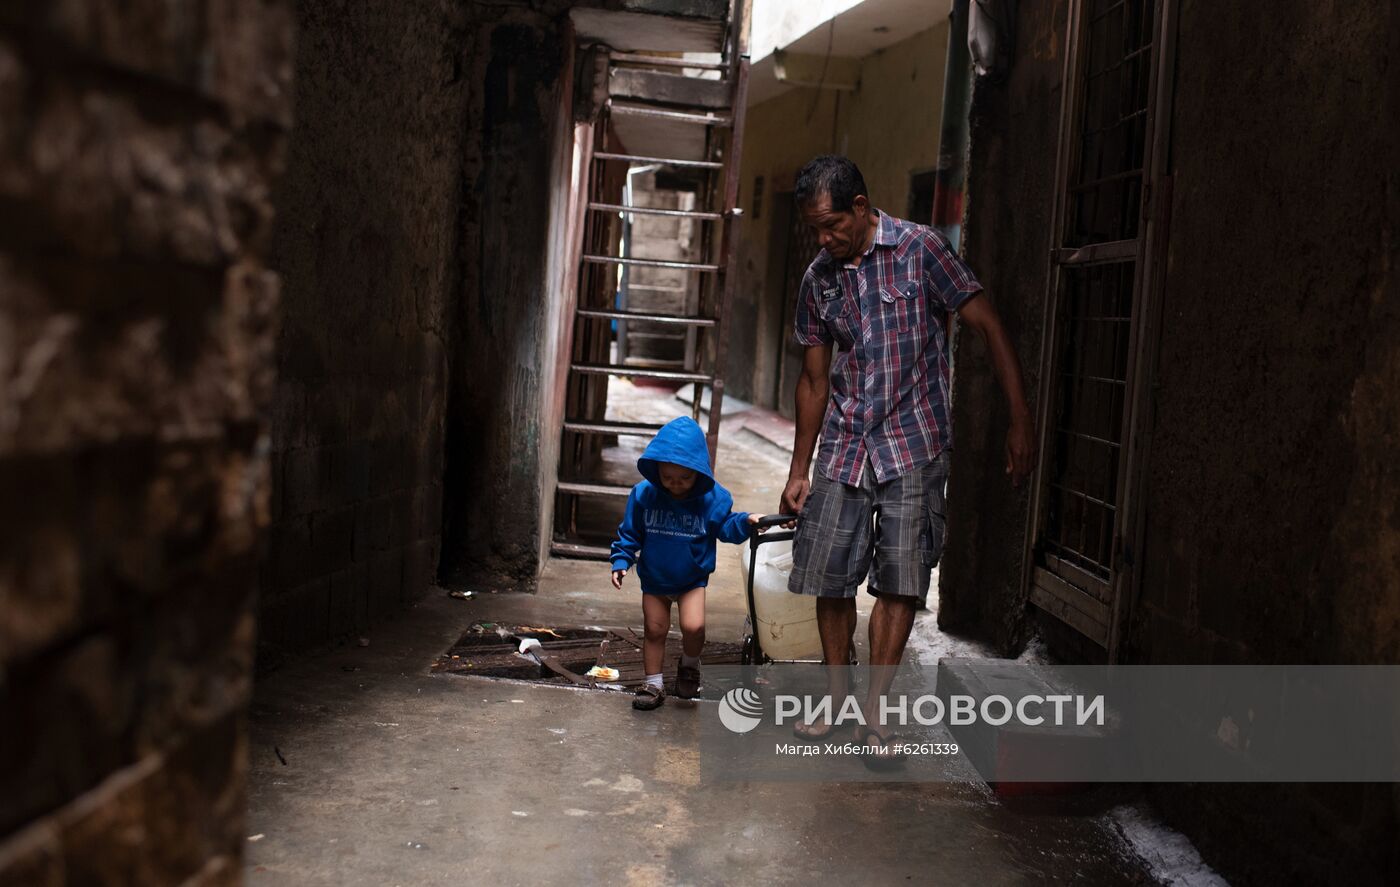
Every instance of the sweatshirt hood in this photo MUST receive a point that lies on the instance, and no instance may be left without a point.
(680, 442)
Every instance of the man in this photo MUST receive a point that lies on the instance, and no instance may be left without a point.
(882, 291)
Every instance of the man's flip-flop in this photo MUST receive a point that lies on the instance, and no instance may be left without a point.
(882, 754)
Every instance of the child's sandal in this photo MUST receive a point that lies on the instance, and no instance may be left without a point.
(648, 697)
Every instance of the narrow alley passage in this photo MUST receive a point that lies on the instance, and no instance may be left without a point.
(396, 776)
(332, 331)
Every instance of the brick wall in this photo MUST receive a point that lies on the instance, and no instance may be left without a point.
(138, 144)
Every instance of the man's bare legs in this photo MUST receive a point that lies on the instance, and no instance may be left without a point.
(836, 622)
(892, 619)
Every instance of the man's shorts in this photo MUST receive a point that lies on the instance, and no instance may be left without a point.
(891, 531)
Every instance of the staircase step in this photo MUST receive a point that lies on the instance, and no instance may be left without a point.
(670, 89)
(713, 10)
(632, 110)
(603, 369)
(678, 319)
(656, 61)
(626, 429)
(579, 550)
(663, 161)
(593, 489)
(654, 211)
(651, 263)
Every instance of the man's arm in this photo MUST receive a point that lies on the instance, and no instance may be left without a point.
(813, 387)
(979, 314)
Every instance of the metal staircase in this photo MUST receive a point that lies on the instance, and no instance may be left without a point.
(677, 115)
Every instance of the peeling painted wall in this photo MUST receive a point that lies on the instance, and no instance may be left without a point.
(889, 127)
(504, 319)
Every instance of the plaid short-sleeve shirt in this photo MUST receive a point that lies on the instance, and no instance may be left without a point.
(890, 378)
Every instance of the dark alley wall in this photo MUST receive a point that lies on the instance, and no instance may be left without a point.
(1272, 501)
(1273, 506)
(507, 328)
(137, 151)
(412, 235)
(366, 243)
(1011, 175)
(1272, 492)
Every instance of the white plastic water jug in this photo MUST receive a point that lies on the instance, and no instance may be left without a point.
(786, 623)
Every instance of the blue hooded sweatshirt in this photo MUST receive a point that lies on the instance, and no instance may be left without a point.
(672, 540)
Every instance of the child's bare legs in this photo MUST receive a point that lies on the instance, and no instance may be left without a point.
(692, 607)
(656, 613)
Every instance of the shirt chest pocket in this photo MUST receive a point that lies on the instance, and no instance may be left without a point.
(904, 306)
(835, 311)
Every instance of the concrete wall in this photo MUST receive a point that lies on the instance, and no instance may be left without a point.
(779, 136)
(1270, 491)
(889, 127)
(137, 154)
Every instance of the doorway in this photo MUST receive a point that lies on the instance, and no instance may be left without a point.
(796, 245)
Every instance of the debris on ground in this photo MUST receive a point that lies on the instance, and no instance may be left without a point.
(603, 673)
(363, 642)
(563, 654)
(462, 595)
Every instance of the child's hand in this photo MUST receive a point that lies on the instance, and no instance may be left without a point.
(617, 578)
(753, 521)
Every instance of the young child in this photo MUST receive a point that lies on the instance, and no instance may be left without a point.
(673, 519)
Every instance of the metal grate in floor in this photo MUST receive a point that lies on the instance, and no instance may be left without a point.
(565, 654)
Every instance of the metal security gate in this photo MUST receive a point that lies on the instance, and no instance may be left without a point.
(1111, 136)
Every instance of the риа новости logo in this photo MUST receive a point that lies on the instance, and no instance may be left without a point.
(740, 710)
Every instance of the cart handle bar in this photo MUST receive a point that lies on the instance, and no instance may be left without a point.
(773, 520)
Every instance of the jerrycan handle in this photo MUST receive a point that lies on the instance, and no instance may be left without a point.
(771, 520)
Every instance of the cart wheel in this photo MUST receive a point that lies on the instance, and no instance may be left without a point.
(748, 651)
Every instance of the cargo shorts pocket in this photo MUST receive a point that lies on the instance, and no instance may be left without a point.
(931, 537)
